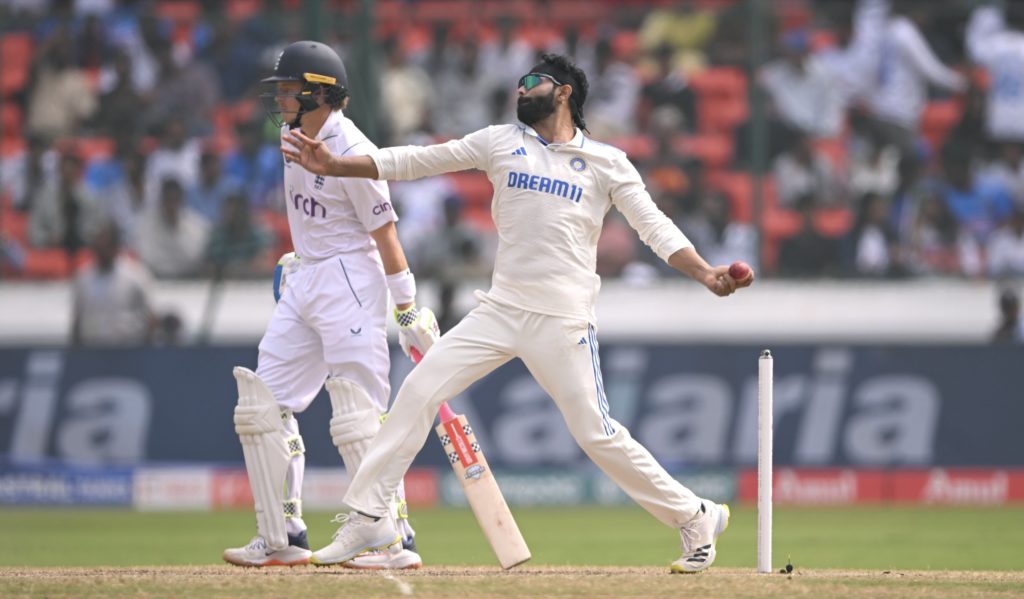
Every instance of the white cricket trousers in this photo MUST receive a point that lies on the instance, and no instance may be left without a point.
(562, 356)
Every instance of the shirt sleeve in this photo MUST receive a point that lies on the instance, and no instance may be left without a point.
(414, 162)
(630, 196)
(371, 199)
(924, 60)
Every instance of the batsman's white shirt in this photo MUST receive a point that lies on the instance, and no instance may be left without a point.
(331, 317)
(549, 203)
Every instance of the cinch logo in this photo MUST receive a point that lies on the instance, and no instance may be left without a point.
(381, 208)
(555, 187)
(309, 206)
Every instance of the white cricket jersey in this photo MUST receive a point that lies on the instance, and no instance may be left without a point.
(1001, 51)
(549, 204)
(906, 66)
(331, 215)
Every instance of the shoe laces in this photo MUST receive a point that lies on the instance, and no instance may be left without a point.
(346, 523)
(258, 543)
(689, 536)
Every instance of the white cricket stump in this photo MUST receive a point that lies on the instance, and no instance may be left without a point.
(764, 462)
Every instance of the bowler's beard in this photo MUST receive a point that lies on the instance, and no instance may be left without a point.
(533, 110)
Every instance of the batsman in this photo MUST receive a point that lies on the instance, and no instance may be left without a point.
(553, 187)
(328, 328)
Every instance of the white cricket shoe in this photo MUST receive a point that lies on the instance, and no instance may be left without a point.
(357, 534)
(699, 536)
(394, 557)
(257, 555)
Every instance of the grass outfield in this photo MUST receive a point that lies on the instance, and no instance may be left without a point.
(869, 552)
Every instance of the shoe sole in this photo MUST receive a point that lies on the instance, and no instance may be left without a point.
(269, 563)
(415, 566)
(723, 524)
(317, 562)
(403, 560)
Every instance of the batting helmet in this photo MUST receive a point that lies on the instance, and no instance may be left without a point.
(318, 67)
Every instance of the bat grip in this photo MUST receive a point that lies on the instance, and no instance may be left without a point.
(445, 412)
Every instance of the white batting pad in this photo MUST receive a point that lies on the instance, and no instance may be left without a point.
(354, 422)
(258, 422)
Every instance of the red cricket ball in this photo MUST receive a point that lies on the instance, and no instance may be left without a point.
(740, 271)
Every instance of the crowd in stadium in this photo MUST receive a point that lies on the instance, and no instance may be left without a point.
(893, 134)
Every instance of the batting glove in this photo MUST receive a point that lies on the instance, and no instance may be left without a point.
(417, 331)
(287, 265)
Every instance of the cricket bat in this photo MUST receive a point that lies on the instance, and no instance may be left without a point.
(482, 492)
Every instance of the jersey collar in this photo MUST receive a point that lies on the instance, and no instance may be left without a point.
(331, 125)
(576, 142)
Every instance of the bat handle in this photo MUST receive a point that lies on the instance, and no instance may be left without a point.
(445, 412)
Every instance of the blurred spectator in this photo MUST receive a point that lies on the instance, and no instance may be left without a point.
(461, 103)
(808, 253)
(683, 29)
(505, 59)
(876, 247)
(111, 298)
(64, 212)
(979, 206)
(853, 61)
(803, 90)
(1007, 170)
(23, 175)
(184, 90)
(235, 57)
(208, 193)
(177, 157)
(613, 96)
(91, 45)
(907, 65)
(61, 96)
(574, 44)
(801, 174)
(406, 93)
(669, 89)
(999, 49)
(123, 194)
(135, 33)
(120, 103)
(238, 245)
(451, 258)
(874, 169)
(1011, 327)
(420, 205)
(1005, 250)
(936, 244)
(717, 236)
(255, 166)
(172, 238)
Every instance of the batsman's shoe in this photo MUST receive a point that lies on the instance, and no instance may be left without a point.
(395, 557)
(357, 534)
(257, 555)
(699, 538)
